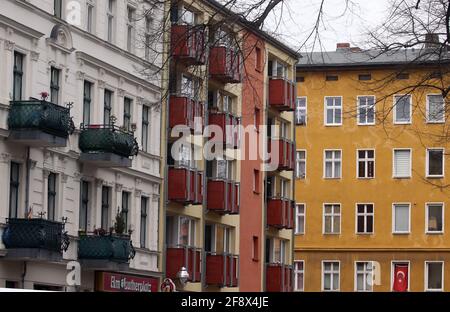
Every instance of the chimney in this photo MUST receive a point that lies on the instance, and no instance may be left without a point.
(431, 40)
(343, 46)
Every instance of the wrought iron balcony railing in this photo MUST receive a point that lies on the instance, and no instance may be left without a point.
(106, 247)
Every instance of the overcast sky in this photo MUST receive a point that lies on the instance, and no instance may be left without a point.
(339, 24)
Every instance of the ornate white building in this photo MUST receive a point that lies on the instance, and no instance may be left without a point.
(55, 178)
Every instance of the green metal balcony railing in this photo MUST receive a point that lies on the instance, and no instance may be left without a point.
(35, 233)
(40, 115)
(96, 139)
(106, 247)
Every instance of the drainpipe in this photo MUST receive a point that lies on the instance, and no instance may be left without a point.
(27, 182)
(24, 272)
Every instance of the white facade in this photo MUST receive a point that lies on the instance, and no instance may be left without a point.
(25, 27)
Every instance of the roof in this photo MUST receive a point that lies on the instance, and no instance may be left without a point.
(353, 57)
(249, 25)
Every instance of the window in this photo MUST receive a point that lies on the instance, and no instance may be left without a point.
(255, 250)
(148, 40)
(276, 249)
(54, 85)
(300, 219)
(435, 218)
(435, 108)
(366, 164)
(300, 79)
(401, 219)
(364, 218)
(400, 277)
(434, 276)
(127, 103)
(145, 128)
(300, 111)
(143, 227)
(330, 275)
(435, 162)
(300, 167)
(105, 207)
(110, 20)
(365, 77)
(299, 275)
(125, 208)
(402, 163)
(14, 183)
(332, 218)
(333, 164)
(87, 102)
(256, 181)
(90, 16)
(107, 107)
(57, 8)
(402, 76)
(84, 206)
(333, 111)
(257, 118)
(130, 28)
(18, 76)
(366, 110)
(332, 78)
(51, 196)
(258, 55)
(402, 109)
(364, 276)
(187, 232)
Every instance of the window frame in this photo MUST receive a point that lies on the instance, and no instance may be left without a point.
(334, 108)
(127, 116)
(355, 288)
(394, 106)
(332, 215)
(297, 161)
(16, 185)
(305, 109)
(426, 275)
(90, 16)
(333, 164)
(84, 202)
(427, 204)
(427, 164)
(427, 109)
(358, 106)
(393, 262)
(410, 163)
(52, 196)
(143, 218)
(18, 72)
(110, 20)
(365, 215)
(131, 27)
(87, 102)
(332, 272)
(297, 215)
(393, 219)
(145, 127)
(296, 271)
(366, 160)
(108, 106)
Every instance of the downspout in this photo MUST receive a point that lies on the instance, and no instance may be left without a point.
(24, 272)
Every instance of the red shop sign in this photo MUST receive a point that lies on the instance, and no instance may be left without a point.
(116, 282)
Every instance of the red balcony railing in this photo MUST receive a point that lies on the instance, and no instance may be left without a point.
(184, 256)
(278, 277)
(282, 94)
(280, 213)
(188, 44)
(183, 110)
(223, 196)
(225, 64)
(185, 185)
(222, 270)
(286, 152)
(230, 126)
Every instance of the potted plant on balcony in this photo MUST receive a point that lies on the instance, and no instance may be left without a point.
(119, 224)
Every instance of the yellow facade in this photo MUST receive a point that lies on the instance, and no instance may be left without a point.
(383, 190)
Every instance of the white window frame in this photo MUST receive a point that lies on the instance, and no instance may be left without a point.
(296, 272)
(90, 4)
(299, 161)
(111, 15)
(298, 109)
(358, 106)
(428, 110)
(365, 214)
(365, 275)
(408, 262)
(410, 163)
(297, 214)
(333, 160)
(426, 217)
(426, 276)
(334, 107)
(131, 26)
(427, 165)
(332, 272)
(394, 106)
(332, 215)
(366, 160)
(393, 218)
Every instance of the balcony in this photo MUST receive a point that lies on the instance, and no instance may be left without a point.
(39, 123)
(280, 213)
(225, 64)
(188, 44)
(285, 149)
(222, 270)
(223, 196)
(39, 239)
(105, 251)
(282, 94)
(185, 185)
(230, 126)
(183, 111)
(278, 277)
(184, 256)
(107, 146)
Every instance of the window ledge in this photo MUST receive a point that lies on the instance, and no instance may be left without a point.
(435, 176)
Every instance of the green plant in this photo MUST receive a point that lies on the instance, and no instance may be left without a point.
(119, 224)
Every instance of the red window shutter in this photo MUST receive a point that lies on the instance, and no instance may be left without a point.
(400, 277)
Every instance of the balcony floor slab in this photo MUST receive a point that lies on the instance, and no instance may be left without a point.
(36, 138)
(105, 160)
(33, 254)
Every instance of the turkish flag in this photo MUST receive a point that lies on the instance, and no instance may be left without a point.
(400, 277)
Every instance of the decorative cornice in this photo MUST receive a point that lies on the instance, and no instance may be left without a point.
(34, 56)
(119, 187)
(9, 45)
(80, 75)
(18, 27)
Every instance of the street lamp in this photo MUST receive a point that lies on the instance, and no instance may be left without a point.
(183, 275)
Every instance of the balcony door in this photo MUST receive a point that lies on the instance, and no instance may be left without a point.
(275, 251)
(181, 231)
(218, 239)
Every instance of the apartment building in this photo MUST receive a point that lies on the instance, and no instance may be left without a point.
(370, 182)
(228, 220)
(81, 168)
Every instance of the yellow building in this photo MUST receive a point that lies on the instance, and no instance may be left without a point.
(371, 183)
